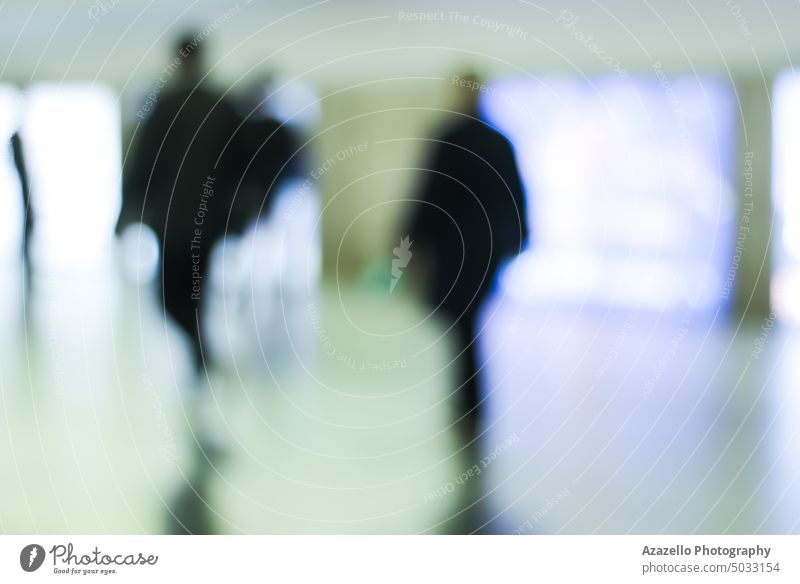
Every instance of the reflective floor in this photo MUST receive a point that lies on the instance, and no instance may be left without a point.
(331, 415)
(642, 422)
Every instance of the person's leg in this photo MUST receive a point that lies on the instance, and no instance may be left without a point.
(27, 268)
(467, 380)
(190, 511)
(471, 516)
(181, 301)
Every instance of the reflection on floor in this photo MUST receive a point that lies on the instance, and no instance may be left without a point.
(106, 430)
(639, 422)
(339, 422)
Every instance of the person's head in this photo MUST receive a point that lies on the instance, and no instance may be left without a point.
(469, 86)
(189, 49)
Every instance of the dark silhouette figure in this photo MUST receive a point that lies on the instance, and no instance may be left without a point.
(181, 181)
(470, 216)
(18, 157)
(18, 154)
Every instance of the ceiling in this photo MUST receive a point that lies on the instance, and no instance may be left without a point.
(125, 42)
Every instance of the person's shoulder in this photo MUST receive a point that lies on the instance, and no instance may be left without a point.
(168, 103)
(494, 136)
(466, 124)
(475, 130)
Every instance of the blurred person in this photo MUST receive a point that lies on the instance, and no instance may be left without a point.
(18, 156)
(181, 181)
(468, 217)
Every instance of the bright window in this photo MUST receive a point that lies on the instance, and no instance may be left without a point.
(629, 186)
(72, 141)
(786, 196)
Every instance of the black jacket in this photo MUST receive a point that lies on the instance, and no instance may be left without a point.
(470, 214)
(191, 135)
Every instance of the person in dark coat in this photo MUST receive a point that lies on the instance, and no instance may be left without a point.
(470, 216)
(18, 156)
(181, 180)
(18, 153)
(21, 168)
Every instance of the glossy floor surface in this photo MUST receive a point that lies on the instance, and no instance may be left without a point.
(331, 414)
